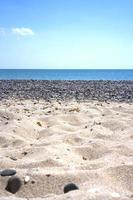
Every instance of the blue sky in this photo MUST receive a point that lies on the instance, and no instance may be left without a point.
(66, 33)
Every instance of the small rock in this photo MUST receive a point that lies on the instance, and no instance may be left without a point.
(8, 172)
(33, 182)
(49, 111)
(84, 158)
(70, 187)
(48, 175)
(25, 153)
(26, 179)
(13, 158)
(39, 124)
(14, 184)
(5, 117)
(98, 123)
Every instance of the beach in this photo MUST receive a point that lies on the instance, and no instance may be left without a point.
(58, 132)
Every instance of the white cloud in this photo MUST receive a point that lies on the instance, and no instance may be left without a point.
(23, 31)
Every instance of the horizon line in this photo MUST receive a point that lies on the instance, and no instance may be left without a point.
(9, 68)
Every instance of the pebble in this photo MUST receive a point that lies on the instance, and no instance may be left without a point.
(26, 179)
(13, 158)
(69, 187)
(8, 172)
(33, 182)
(84, 158)
(25, 153)
(14, 184)
(48, 175)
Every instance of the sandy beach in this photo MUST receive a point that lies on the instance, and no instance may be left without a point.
(66, 100)
(88, 143)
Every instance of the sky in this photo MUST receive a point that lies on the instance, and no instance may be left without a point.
(66, 34)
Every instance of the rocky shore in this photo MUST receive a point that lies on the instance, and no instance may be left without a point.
(119, 91)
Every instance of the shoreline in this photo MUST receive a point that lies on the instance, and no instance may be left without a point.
(49, 90)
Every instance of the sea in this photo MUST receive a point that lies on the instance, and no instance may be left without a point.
(65, 74)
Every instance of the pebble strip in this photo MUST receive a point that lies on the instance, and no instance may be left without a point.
(119, 91)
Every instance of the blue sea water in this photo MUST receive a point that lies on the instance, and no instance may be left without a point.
(41, 74)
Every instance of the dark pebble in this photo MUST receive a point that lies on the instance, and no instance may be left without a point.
(48, 175)
(84, 158)
(70, 187)
(33, 182)
(13, 158)
(25, 153)
(13, 185)
(8, 172)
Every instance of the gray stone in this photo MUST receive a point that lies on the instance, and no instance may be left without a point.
(69, 187)
(8, 172)
(14, 184)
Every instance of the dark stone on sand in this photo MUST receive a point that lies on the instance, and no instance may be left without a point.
(48, 175)
(69, 187)
(14, 184)
(25, 153)
(33, 182)
(84, 158)
(13, 158)
(8, 172)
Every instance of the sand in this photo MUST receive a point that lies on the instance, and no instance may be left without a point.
(87, 143)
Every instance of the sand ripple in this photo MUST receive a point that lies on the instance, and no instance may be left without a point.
(89, 144)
